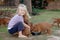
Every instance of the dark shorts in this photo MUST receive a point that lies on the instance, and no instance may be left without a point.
(17, 27)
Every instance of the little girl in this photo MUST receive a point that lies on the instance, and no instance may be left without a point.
(16, 23)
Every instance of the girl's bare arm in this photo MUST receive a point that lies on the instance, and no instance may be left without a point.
(26, 25)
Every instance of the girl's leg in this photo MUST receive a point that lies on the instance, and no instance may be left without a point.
(20, 28)
(17, 28)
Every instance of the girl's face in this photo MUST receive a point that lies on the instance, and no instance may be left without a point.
(21, 12)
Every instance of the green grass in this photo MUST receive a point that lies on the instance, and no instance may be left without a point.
(1, 38)
(45, 16)
(3, 29)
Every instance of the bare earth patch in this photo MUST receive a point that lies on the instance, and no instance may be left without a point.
(53, 37)
(57, 32)
(6, 36)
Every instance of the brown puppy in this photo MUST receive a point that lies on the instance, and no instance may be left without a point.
(26, 32)
(4, 21)
(57, 21)
(43, 27)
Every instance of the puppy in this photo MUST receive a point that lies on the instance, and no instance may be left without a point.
(43, 27)
(26, 32)
(57, 21)
(4, 21)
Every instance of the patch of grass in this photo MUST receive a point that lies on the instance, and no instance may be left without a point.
(38, 11)
(3, 29)
(8, 9)
(46, 16)
(1, 38)
(56, 10)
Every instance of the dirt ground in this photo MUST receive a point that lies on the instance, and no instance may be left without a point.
(6, 36)
(9, 37)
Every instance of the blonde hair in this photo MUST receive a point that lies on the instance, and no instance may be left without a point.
(22, 6)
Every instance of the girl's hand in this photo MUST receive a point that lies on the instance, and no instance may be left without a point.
(26, 25)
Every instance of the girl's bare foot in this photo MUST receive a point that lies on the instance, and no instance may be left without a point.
(22, 36)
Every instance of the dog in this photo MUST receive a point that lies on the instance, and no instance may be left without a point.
(4, 21)
(57, 21)
(26, 32)
(43, 27)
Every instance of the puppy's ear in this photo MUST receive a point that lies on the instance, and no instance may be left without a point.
(31, 23)
(32, 26)
(55, 19)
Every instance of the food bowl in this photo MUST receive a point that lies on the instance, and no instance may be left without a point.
(35, 33)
